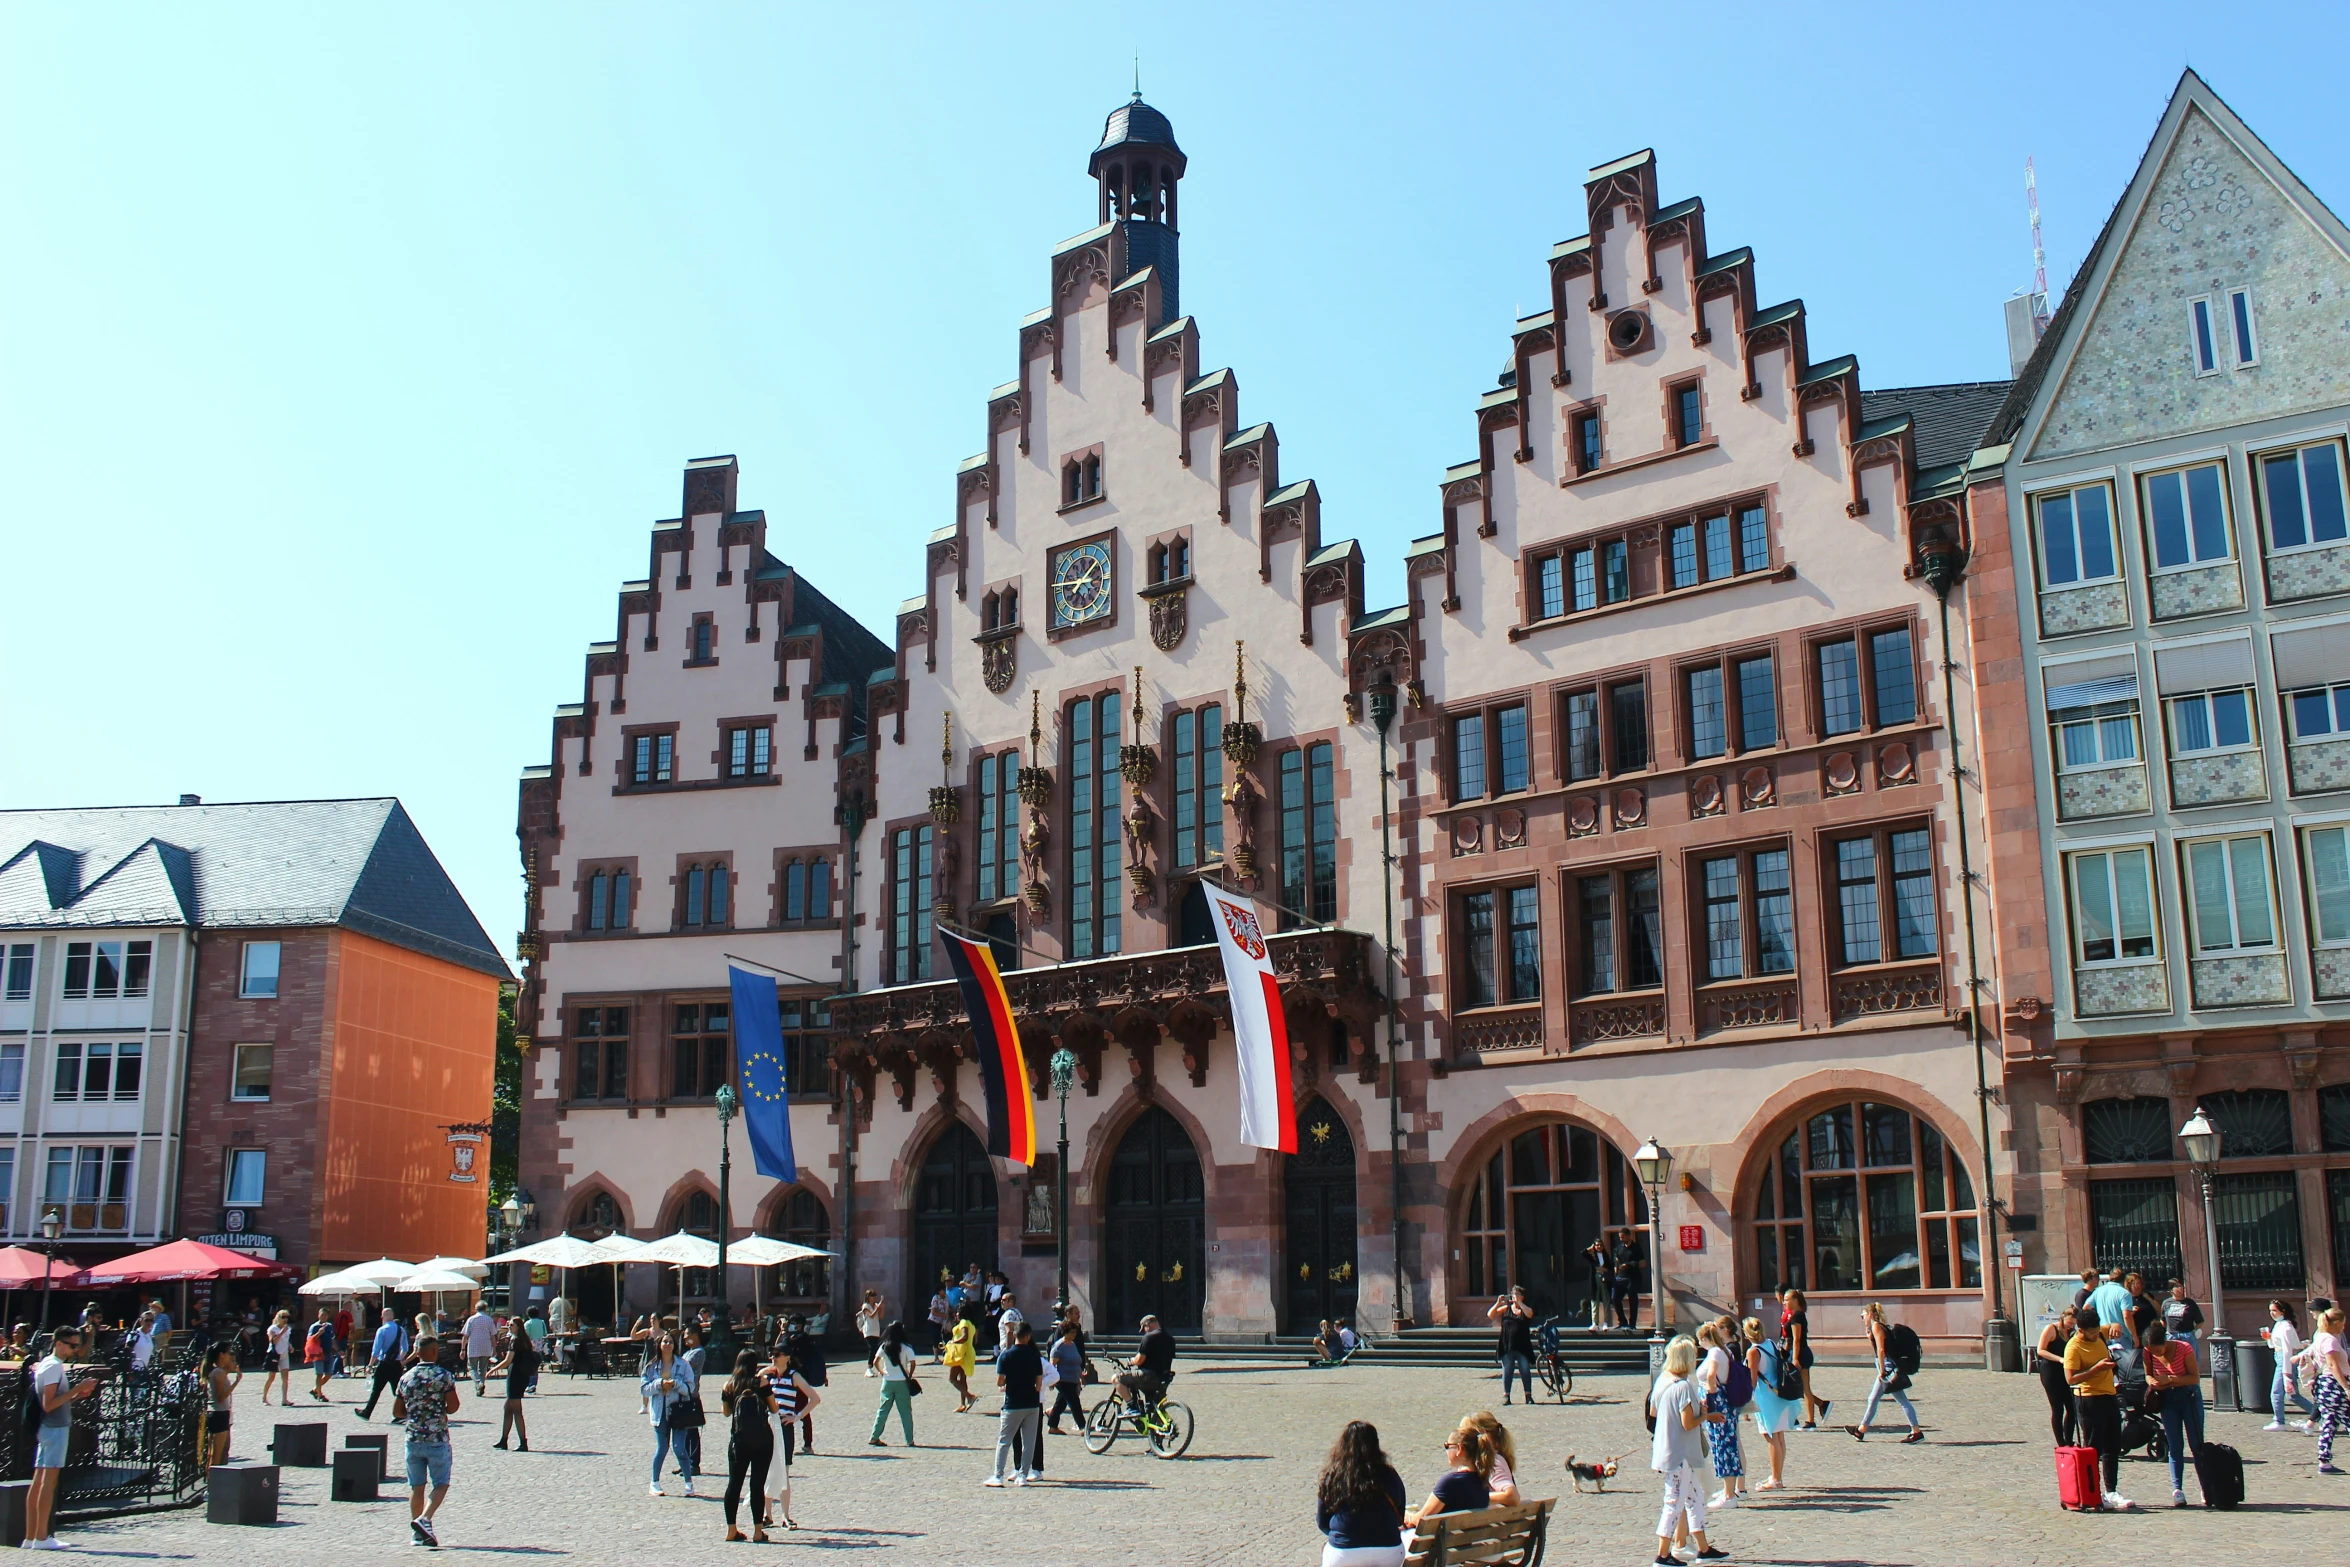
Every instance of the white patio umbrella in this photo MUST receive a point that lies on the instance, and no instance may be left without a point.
(616, 1249)
(764, 1251)
(464, 1265)
(557, 1251)
(435, 1281)
(680, 1251)
(340, 1283)
(382, 1273)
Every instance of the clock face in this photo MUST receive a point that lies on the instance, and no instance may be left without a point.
(1081, 584)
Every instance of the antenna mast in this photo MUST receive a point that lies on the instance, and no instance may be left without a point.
(2039, 252)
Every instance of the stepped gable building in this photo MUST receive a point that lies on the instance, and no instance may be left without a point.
(2172, 666)
(272, 1026)
(689, 812)
(1672, 799)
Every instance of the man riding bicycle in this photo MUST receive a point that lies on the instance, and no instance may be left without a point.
(1145, 1380)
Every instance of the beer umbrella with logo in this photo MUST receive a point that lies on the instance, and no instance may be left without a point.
(183, 1260)
(22, 1268)
(561, 1252)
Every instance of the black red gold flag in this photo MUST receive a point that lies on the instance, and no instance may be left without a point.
(1003, 1069)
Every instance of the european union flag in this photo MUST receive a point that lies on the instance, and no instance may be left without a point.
(758, 1046)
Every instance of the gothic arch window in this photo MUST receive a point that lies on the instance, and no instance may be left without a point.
(1093, 477)
(2125, 1131)
(800, 1218)
(1863, 1196)
(598, 1217)
(698, 1215)
(1551, 1189)
(988, 612)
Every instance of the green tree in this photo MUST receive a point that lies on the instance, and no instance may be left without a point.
(506, 1103)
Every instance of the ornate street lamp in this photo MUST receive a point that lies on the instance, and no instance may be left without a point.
(1382, 703)
(1653, 1162)
(721, 1345)
(52, 1224)
(1064, 1069)
(2202, 1142)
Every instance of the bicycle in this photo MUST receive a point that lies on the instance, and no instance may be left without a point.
(1550, 1366)
(1165, 1426)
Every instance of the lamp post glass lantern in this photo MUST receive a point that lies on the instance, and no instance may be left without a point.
(721, 1345)
(1654, 1162)
(2202, 1141)
(52, 1225)
(1063, 1067)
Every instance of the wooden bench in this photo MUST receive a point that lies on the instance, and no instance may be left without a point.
(1493, 1537)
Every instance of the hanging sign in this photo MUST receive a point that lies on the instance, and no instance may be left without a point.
(464, 1155)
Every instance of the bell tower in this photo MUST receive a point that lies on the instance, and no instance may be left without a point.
(1137, 168)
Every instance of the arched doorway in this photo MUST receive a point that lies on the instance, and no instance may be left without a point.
(1156, 1225)
(1318, 1183)
(591, 1289)
(1863, 1196)
(954, 1216)
(1535, 1208)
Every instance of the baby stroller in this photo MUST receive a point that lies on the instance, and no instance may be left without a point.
(2141, 1411)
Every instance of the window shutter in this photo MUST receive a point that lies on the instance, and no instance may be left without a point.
(2090, 681)
(2319, 656)
(2203, 666)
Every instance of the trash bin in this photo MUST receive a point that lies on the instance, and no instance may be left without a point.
(2256, 1368)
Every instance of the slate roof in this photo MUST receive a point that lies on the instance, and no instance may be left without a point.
(1947, 422)
(359, 864)
(1136, 122)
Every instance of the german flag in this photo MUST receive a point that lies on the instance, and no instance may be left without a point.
(1003, 1069)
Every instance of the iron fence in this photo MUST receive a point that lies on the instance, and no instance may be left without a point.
(137, 1442)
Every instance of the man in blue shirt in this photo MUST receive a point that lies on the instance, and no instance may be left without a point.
(389, 1352)
(2112, 1302)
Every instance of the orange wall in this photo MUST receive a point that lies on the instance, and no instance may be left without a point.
(411, 1048)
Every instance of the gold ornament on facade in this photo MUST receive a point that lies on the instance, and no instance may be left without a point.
(946, 801)
(1137, 762)
(1241, 738)
(1036, 784)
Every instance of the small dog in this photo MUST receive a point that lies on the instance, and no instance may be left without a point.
(1598, 1475)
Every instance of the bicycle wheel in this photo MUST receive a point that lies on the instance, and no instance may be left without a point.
(1101, 1427)
(1170, 1435)
(1564, 1382)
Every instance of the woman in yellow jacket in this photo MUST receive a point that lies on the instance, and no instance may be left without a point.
(961, 1360)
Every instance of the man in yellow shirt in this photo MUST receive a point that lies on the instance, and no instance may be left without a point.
(2088, 1368)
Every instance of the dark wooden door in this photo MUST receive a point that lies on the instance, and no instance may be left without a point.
(1319, 1232)
(954, 1217)
(1155, 1230)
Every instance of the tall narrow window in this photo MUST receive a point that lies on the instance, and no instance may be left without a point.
(2203, 342)
(2113, 906)
(2240, 314)
(2304, 496)
(1623, 938)
(704, 636)
(991, 824)
(911, 896)
(1749, 914)
(1754, 539)
(698, 1039)
(259, 975)
(795, 891)
(1550, 587)
(1510, 735)
(1708, 729)
(1615, 562)
(623, 904)
(1525, 944)
(1689, 407)
(1758, 703)
(1584, 565)
(819, 889)
(19, 981)
(1725, 929)
(1856, 899)
(2187, 513)
(1628, 720)
(599, 1054)
(1479, 987)
(1839, 687)
(1199, 786)
(1309, 834)
(2327, 850)
(1094, 842)
(1586, 442)
(652, 758)
(1582, 736)
(2076, 536)
(599, 901)
(1717, 549)
(1468, 757)
(1681, 548)
(697, 884)
(1896, 677)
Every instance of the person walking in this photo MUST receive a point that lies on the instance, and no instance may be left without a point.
(1674, 1452)
(940, 1315)
(318, 1353)
(962, 1358)
(278, 1354)
(2284, 1341)
(2088, 1371)
(1890, 1378)
(1717, 1379)
(869, 1328)
(2048, 1357)
(1019, 1371)
(1774, 1416)
(1795, 1327)
(1009, 1319)
(2175, 1382)
(673, 1402)
(390, 1353)
(481, 1347)
(1463, 1487)
(793, 1397)
(2331, 1382)
(520, 1368)
(534, 1328)
(54, 1389)
(1514, 1321)
(750, 1444)
(1359, 1502)
(898, 1384)
(425, 1399)
(220, 1382)
(1068, 1362)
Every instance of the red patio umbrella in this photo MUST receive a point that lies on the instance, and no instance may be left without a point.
(21, 1267)
(174, 1261)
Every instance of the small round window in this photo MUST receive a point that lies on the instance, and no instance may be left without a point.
(1628, 331)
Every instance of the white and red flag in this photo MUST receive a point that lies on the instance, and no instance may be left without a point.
(1268, 1114)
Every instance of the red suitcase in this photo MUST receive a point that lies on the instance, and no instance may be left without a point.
(2077, 1478)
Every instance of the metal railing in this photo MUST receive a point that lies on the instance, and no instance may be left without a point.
(137, 1442)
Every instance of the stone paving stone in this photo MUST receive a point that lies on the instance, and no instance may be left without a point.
(1981, 1490)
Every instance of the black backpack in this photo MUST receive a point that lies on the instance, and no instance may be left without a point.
(1903, 1349)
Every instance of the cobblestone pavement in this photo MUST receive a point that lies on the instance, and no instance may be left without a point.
(1981, 1490)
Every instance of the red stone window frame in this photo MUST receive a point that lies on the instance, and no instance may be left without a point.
(616, 900)
(805, 894)
(1862, 634)
(995, 781)
(1586, 426)
(703, 896)
(1167, 558)
(599, 1033)
(1698, 909)
(1514, 905)
(999, 607)
(1727, 664)
(700, 1045)
(1579, 903)
(1616, 755)
(1081, 478)
(1831, 1153)
(701, 642)
(752, 757)
(650, 765)
(909, 893)
(1679, 431)
(1884, 887)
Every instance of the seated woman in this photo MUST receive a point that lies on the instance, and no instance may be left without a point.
(1463, 1488)
(1359, 1504)
(1502, 1453)
(1325, 1345)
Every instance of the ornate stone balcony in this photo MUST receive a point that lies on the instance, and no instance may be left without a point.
(1886, 988)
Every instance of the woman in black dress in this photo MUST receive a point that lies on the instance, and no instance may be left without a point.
(750, 1442)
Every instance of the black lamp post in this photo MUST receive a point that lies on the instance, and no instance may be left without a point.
(1653, 1162)
(2202, 1142)
(1382, 702)
(721, 1345)
(52, 1223)
(1064, 1069)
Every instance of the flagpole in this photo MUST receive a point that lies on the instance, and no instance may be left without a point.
(736, 957)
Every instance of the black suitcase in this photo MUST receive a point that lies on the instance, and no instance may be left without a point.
(2219, 1470)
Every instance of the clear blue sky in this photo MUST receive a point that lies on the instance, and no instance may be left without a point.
(346, 353)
